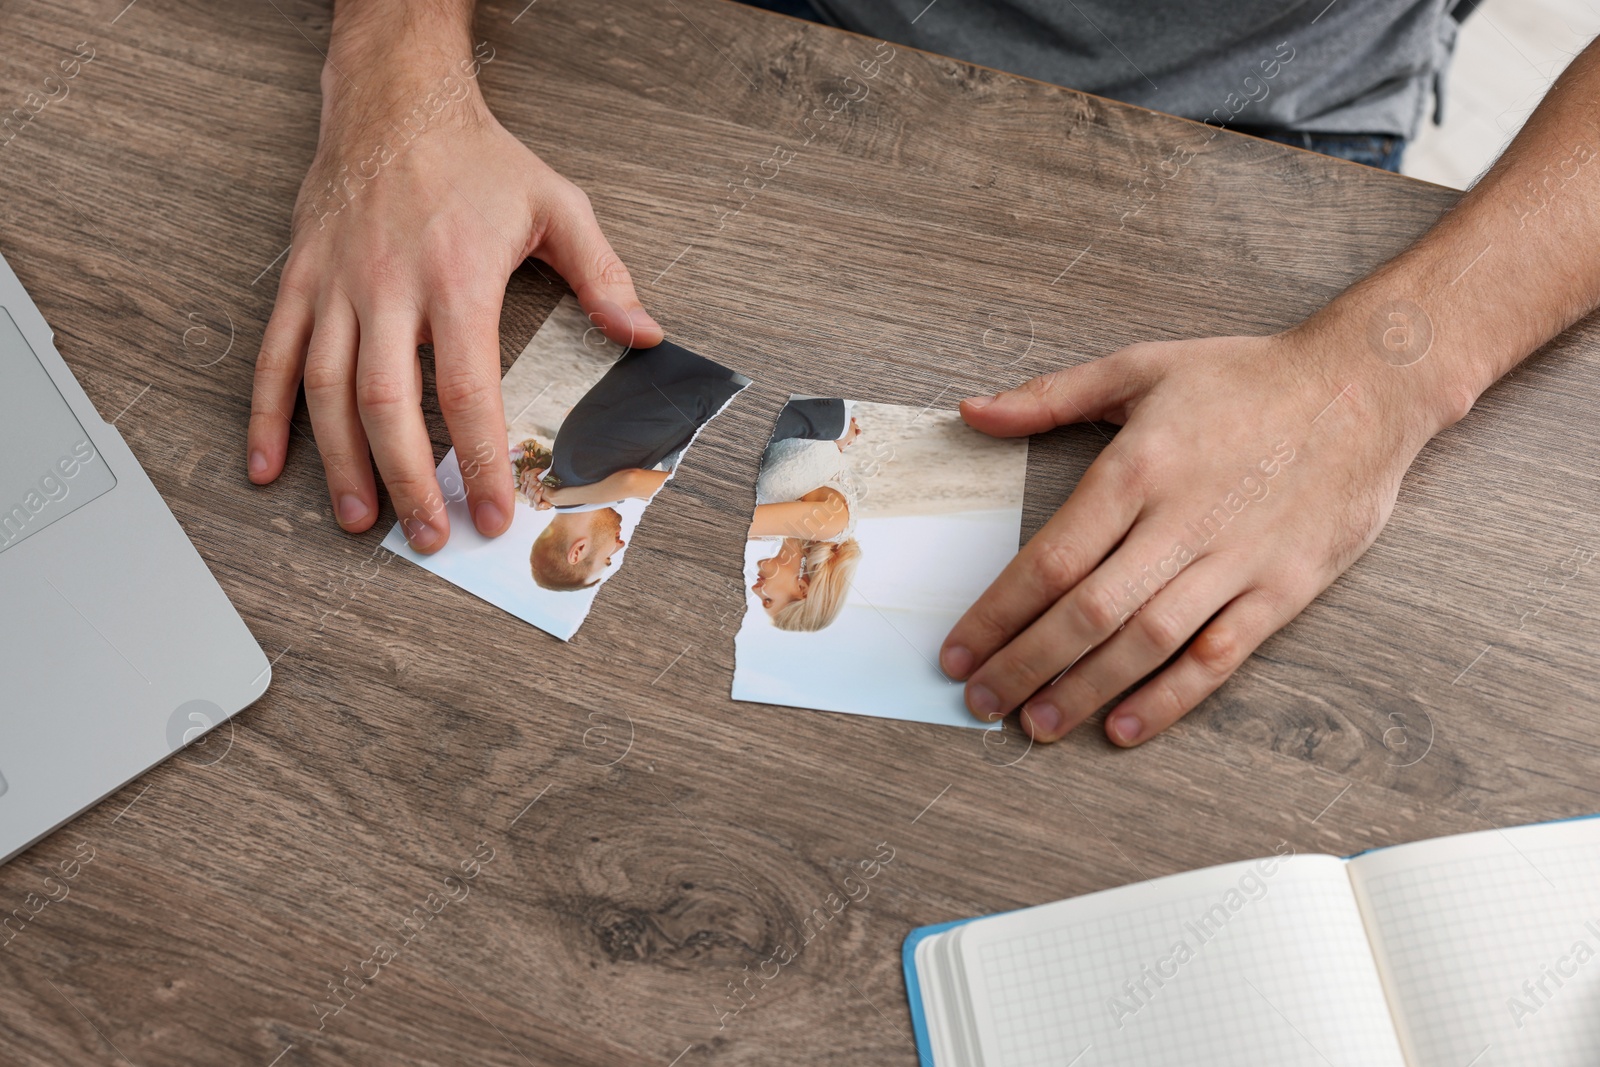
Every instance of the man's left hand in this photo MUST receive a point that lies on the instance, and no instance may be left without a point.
(1248, 474)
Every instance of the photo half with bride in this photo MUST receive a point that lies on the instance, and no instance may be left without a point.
(875, 527)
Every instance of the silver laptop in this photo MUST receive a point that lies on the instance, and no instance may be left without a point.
(117, 647)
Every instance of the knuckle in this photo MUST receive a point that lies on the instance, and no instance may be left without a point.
(1078, 692)
(264, 419)
(1100, 608)
(1041, 388)
(1111, 475)
(1282, 585)
(564, 208)
(1354, 531)
(275, 362)
(464, 391)
(414, 492)
(1057, 564)
(1016, 672)
(451, 269)
(383, 271)
(383, 390)
(298, 285)
(1125, 475)
(1140, 362)
(981, 628)
(1165, 628)
(1218, 651)
(1159, 443)
(325, 376)
(474, 316)
(575, 200)
(611, 271)
(451, 262)
(337, 459)
(480, 463)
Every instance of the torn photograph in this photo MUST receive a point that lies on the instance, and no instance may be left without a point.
(875, 527)
(593, 432)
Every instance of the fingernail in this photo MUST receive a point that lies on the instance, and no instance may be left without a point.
(489, 518)
(1043, 720)
(258, 463)
(956, 661)
(641, 320)
(352, 509)
(979, 402)
(1124, 727)
(421, 535)
(983, 702)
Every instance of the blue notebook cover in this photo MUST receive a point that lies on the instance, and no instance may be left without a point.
(908, 950)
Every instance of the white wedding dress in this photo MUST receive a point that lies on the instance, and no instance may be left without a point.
(795, 467)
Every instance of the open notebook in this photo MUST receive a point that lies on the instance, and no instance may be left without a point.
(1481, 949)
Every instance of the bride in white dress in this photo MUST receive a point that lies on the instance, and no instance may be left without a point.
(806, 500)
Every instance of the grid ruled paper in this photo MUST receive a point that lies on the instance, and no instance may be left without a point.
(1287, 980)
(1460, 924)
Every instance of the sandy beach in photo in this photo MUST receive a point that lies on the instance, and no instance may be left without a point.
(911, 461)
(563, 360)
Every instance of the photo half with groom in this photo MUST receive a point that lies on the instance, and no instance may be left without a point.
(594, 431)
(621, 441)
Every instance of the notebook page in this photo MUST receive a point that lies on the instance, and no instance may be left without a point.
(1489, 944)
(1263, 963)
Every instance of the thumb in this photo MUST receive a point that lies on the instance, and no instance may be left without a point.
(575, 246)
(1090, 392)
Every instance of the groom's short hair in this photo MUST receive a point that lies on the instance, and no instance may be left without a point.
(549, 561)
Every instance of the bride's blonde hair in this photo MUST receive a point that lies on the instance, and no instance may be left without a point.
(828, 567)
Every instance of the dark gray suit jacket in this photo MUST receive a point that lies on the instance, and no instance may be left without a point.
(648, 405)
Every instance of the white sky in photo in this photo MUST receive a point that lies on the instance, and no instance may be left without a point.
(498, 571)
(917, 574)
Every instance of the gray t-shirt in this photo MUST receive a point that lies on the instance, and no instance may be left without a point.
(1349, 66)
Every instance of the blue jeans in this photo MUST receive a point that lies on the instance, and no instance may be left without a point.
(1381, 150)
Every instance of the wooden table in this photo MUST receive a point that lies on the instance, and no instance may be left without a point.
(653, 843)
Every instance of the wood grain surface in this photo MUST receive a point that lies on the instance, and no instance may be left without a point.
(650, 844)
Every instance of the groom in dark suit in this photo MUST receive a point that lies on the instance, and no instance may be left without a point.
(611, 446)
(813, 418)
(647, 406)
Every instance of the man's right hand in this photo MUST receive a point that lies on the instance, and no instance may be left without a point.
(403, 237)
